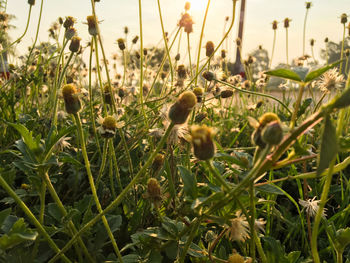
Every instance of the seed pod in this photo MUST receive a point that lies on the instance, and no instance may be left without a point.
(31, 2)
(92, 25)
(126, 30)
(209, 49)
(347, 52)
(344, 18)
(69, 22)
(274, 25)
(286, 22)
(75, 44)
(209, 76)
(226, 93)
(137, 54)
(308, 5)
(272, 133)
(177, 57)
(180, 110)
(181, 71)
(121, 44)
(198, 91)
(135, 39)
(71, 99)
(202, 141)
(312, 42)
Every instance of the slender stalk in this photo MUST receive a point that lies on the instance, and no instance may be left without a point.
(217, 175)
(165, 42)
(33, 219)
(252, 220)
(98, 70)
(201, 39)
(195, 226)
(92, 186)
(189, 54)
(304, 29)
(342, 51)
(297, 105)
(255, 93)
(287, 60)
(121, 196)
(273, 47)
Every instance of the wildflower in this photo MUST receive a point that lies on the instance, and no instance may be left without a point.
(71, 99)
(286, 22)
(344, 18)
(246, 84)
(153, 192)
(259, 224)
(63, 143)
(92, 25)
(331, 80)
(69, 22)
(135, 39)
(311, 206)
(186, 22)
(121, 44)
(181, 71)
(227, 93)
(238, 230)
(202, 140)
(198, 91)
(274, 25)
(158, 162)
(180, 110)
(74, 44)
(273, 134)
(109, 125)
(209, 48)
(187, 6)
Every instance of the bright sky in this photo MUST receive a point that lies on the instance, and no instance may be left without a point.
(323, 21)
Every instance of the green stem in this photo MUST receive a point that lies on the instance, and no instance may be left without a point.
(189, 54)
(217, 175)
(200, 41)
(287, 47)
(32, 218)
(92, 186)
(100, 77)
(273, 47)
(252, 219)
(195, 225)
(297, 105)
(342, 51)
(165, 42)
(122, 195)
(304, 30)
(255, 93)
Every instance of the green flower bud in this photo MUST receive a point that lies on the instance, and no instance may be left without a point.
(272, 133)
(202, 141)
(71, 99)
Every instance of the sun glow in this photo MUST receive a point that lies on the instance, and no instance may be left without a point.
(197, 5)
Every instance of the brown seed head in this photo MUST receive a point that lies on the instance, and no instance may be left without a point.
(209, 49)
(74, 44)
(69, 22)
(92, 25)
(121, 43)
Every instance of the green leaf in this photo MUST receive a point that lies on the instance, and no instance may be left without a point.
(329, 146)
(269, 189)
(27, 136)
(341, 101)
(318, 72)
(189, 181)
(342, 239)
(18, 234)
(4, 214)
(306, 103)
(285, 74)
(293, 256)
(231, 159)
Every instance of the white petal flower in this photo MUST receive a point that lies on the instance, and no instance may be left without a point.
(311, 206)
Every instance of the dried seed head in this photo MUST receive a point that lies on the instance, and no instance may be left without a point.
(208, 75)
(272, 133)
(181, 71)
(202, 141)
(145, 51)
(60, 20)
(70, 32)
(187, 6)
(308, 5)
(209, 49)
(344, 18)
(158, 162)
(180, 110)
(326, 40)
(121, 44)
(226, 93)
(153, 188)
(223, 53)
(274, 25)
(71, 99)
(126, 30)
(186, 22)
(31, 2)
(286, 22)
(312, 42)
(246, 84)
(92, 25)
(74, 44)
(347, 52)
(135, 39)
(69, 22)
(177, 57)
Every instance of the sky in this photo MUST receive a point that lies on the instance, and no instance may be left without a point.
(323, 21)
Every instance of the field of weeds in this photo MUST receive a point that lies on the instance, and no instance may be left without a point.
(152, 155)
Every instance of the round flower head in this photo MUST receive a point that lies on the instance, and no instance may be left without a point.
(202, 141)
(274, 25)
(187, 6)
(227, 93)
(257, 136)
(344, 18)
(209, 48)
(186, 22)
(268, 117)
(286, 22)
(92, 25)
(121, 44)
(198, 91)
(180, 110)
(181, 71)
(69, 22)
(70, 32)
(331, 80)
(153, 192)
(75, 44)
(272, 133)
(109, 125)
(135, 39)
(158, 161)
(71, 99)
(31, 2)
